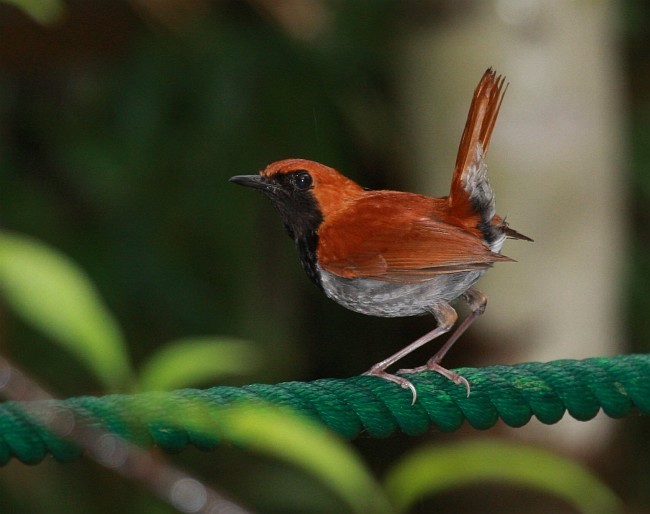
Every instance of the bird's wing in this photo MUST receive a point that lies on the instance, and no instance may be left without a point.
(401, 237)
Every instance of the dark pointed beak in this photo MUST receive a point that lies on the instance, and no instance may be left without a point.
(254, 181)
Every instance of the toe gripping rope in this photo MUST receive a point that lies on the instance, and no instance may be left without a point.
(358, 405)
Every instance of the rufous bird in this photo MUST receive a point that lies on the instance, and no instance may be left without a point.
(391, 253)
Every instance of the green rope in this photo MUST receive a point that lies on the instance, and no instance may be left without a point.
(618, 385)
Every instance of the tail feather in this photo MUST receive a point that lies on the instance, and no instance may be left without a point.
(513, 234)
(510, 233)
(471, 198)
(471, 195)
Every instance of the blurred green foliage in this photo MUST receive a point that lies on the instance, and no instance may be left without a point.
(49, 292)
(42, 11)
(436, 469)
(195, 361)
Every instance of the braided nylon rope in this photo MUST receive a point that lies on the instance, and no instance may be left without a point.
(618, 385)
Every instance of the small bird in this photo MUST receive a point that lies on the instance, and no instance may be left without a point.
(392, 253)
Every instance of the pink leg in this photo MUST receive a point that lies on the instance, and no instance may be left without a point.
(446, 317)
(477, 302)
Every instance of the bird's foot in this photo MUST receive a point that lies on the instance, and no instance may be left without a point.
(403, 382)
(434, 366)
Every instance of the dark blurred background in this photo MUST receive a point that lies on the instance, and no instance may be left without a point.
(121, 121)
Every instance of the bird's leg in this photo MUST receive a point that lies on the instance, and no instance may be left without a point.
(446, 317)
(477, 302)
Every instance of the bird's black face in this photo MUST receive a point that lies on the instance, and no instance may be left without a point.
(291, 194)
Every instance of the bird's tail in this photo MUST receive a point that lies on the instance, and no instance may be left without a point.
(471, 198)
(471, 195)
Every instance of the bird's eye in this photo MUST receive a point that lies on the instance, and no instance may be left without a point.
(302, 180)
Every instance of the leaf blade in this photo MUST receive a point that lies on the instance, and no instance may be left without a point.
(190, 361)
(293, 438)
(434, 469)
(50, 292)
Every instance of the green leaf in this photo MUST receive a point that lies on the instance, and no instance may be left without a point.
(43, 11)
(434, 469)
(49, 291)
(193, 361)
(293, 438)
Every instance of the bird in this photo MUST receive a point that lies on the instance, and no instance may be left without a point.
(392, 253)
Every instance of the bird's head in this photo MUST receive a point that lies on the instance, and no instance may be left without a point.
(304, 192)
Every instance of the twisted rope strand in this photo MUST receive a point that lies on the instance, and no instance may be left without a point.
(353, 406)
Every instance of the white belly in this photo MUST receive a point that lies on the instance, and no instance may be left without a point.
(395, 299)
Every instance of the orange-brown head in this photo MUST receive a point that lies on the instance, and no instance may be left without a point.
(298, 187)
(331, 190)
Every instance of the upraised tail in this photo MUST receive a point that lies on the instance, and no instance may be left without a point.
(471, 198)
(471, 195)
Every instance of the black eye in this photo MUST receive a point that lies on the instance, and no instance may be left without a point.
(302, 180)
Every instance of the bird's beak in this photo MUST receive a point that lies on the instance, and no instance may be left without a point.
(254, 181)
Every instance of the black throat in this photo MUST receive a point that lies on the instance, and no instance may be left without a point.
(301, 217)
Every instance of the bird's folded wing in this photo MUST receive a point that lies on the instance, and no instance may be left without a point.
(399, 237)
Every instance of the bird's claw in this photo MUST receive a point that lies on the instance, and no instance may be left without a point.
(403, 382)
(434, 366)
(462, 380)
(407, 384)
